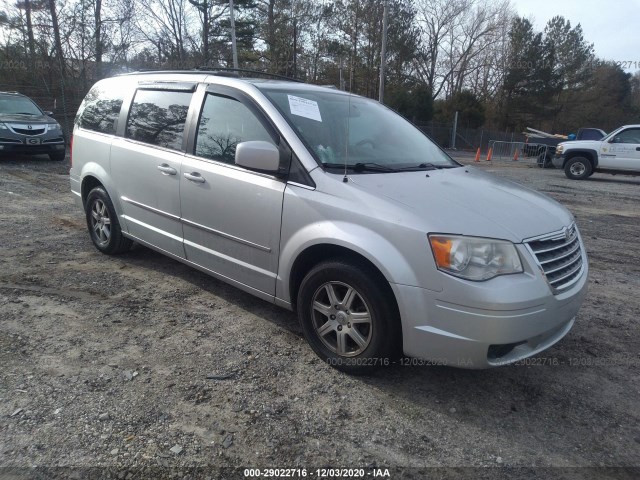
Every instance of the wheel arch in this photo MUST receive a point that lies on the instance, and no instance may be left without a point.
(314, 254)
(317, 253)
(590, 155)
(89, 182)
(93, 175)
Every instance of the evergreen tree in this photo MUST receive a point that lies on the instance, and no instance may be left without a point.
(531, 80)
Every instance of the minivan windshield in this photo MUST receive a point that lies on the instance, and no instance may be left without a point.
(10, 105)
(363, 134)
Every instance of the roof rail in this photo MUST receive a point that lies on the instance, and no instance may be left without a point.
(222, 72)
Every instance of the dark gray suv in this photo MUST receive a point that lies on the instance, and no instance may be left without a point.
(26, 129)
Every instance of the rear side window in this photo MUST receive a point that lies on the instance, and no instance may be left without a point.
(100, 109)
(590, 134)
(158, 117)
(224, 123)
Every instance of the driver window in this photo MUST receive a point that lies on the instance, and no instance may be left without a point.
(631, 135)
(224, 123)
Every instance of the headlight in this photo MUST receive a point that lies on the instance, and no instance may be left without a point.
(3, 126)
(560, 148)
(474, 258)
(53, 126)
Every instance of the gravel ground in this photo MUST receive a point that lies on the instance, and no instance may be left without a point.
(105, 363)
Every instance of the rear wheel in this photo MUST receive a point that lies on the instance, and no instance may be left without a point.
(103, 224)
(578, 168)
(347, 317)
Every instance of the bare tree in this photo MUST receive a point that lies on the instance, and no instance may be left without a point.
(164, 23)
(479, 31)
(56, 35)
(459, 37)
(438, 20)
(487, 76)
(210, 11)
(27, 6)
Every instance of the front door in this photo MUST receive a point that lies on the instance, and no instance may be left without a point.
(231, 215)
(622, 152)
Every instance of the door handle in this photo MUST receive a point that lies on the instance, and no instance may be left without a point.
(194, 177)
(637, 149)
(167, 170)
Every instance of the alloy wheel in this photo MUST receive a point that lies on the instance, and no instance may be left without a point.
(341, 319)
(101, 222)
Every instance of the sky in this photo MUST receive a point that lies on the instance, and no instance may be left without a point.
(613, 26)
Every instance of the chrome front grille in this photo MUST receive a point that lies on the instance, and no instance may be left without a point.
(559, 255)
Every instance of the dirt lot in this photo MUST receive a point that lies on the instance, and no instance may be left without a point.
(105, 361)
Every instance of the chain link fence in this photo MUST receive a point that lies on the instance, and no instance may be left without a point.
(468, 138)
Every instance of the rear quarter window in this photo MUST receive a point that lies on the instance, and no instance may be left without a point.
(100, 109)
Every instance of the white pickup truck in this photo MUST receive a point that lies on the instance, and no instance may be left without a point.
(618, 152)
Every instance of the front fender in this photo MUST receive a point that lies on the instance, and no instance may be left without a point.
(383, 254)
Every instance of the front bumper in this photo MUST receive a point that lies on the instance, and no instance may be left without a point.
(76, 188)
(487, 324)
(46, 146)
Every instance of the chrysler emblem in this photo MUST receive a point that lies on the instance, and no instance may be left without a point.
(568, 233)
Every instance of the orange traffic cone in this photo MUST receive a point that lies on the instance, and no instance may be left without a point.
(516, 155)
(477, 155)
(489, 154)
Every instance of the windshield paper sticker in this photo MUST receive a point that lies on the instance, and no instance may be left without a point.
(304, 108)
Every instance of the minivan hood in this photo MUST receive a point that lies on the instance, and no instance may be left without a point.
(467, 201)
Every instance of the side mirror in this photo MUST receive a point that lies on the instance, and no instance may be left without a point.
(258, 155)
(48, 112)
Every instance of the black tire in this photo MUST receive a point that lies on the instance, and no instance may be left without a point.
(578, 168)
(102, 222)
(57, 156)
(379, 340)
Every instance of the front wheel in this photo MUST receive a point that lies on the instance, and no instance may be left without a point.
(578, 168)
(103, 224)
(348, 317)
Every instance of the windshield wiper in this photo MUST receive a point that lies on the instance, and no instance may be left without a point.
(427, 166)
(361, 167)
(25, 113)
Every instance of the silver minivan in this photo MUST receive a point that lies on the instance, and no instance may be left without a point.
(331, 205)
